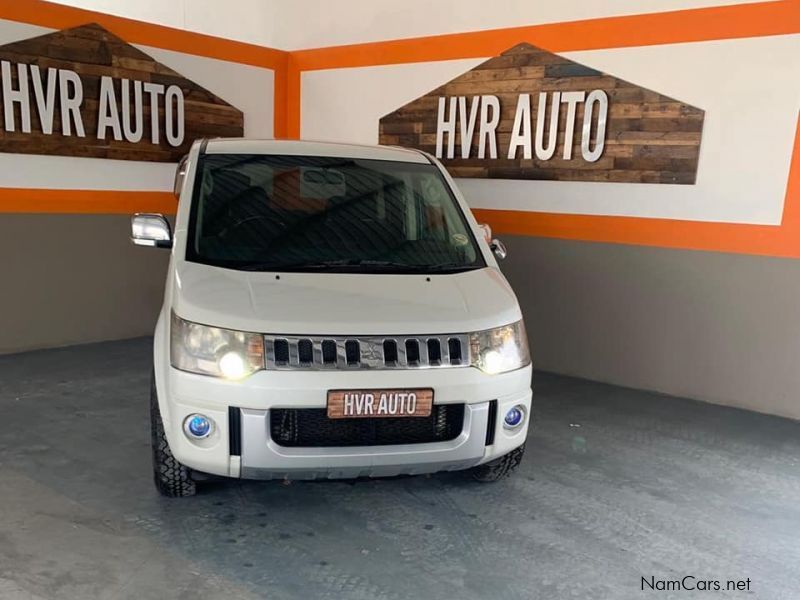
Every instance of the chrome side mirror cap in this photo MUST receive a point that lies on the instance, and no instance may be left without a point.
(499, 249)
(149, 229)
(495, 245)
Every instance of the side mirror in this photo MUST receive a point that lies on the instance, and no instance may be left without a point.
(496, 246)
(151, 230)
(499, 249)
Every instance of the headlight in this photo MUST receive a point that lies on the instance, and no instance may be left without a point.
(500, 350)
(214, 351)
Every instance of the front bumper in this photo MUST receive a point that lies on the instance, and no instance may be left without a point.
(181, 394)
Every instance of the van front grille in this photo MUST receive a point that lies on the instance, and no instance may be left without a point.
(311, 428)
(377, 352)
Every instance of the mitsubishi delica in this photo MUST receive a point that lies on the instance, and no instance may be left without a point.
(330, 311)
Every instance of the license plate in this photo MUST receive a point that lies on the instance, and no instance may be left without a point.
(379, 404)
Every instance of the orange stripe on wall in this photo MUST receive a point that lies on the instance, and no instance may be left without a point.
(772, 240)
(24, 200)
(293, 99)
(692, 25)
(747, 20)
(280, 104)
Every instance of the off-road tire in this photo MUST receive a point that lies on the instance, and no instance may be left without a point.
(500, 467)
(172, 479)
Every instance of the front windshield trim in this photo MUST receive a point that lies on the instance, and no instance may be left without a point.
(191, 255)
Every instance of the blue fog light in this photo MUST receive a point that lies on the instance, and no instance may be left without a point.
(197, 426)
(514, 416)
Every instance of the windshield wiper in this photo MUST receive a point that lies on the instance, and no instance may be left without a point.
(325, 264)
(411, 268)
(370, 265)
(349, 263)
(451, 268)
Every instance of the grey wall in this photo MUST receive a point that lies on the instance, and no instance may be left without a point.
(717, 327)
(67, 279)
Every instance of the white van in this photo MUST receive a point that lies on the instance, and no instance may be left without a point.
(330, 311)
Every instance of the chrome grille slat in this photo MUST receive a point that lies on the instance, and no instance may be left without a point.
(294, 354)
(317, 351)
(444, 348)
(423, 351)
(371, 352)
(402, 360)
(341, 354)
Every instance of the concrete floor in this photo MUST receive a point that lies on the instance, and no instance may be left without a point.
(617, 485)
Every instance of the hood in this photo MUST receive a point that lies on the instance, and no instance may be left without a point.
(343, 303)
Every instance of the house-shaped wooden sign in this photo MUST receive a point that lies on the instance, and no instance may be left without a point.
(532, 114)
(86, 92)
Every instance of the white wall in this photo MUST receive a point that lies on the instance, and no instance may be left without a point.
(317, 23)
(298, 24)
(251, 21)
(745, 153)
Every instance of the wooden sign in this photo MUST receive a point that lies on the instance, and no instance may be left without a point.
(531, 114)
(380, 404)
(86, 92)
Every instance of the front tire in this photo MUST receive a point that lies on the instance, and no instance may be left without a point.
(500, 467)
(172, 479)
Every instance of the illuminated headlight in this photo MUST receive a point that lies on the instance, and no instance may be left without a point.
(213, 351)
(500, 350)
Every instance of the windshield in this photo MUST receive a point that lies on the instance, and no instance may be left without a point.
(302, 213)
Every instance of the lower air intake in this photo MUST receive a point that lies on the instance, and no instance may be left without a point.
(311, 428)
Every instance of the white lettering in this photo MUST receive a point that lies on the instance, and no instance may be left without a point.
(382, 410)
(70, 102)
(401, 402)
(571, 99)
(45, 101)
(154, 90)
(107, 113)
(348, 404)
(488, 129)
(446, 126)
(173, 120)
(522, 121)
(600, 98)
(467, 124)
(20, 96)
(133, 133)
(546, 152)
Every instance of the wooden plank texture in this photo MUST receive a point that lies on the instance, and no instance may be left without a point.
(92, 52)
(380, 403)
(649, 137)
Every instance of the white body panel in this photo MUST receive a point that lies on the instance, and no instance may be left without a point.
(331, 304)
(352, 304)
